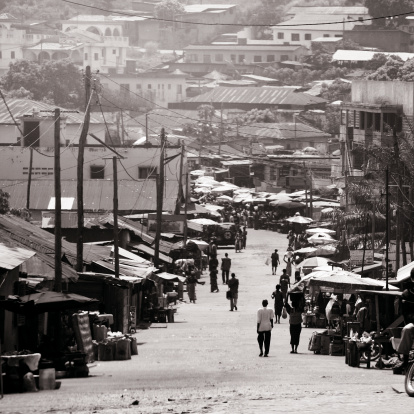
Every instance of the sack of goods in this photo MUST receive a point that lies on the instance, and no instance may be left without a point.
(325, 343)
(336, 349)
(229, 294)
(284, 313)
(315, 343)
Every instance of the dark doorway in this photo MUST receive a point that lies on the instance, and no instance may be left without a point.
(31, 134)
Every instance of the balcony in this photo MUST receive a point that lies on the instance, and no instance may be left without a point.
(115, 41)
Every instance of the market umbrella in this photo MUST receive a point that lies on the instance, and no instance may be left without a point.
(224, 198)
(279, 196)
(325, 250)
(287, 203)
(259, 200)
(306, 250)
(297, 218)
(46, 301)
(312, 262)
(345, 281)
(320, 230)
(405, 271)
(321, 238)
(222, 189)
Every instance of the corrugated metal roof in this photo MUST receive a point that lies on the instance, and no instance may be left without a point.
(241, 48)
(133, 196)
(325, 23)
(12, 256)
(264, 95)
(335, 10)
(365, 55)
(284, 130)
(21, 107)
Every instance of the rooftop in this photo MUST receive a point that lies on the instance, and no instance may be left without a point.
(365, 55)
(249, 95)
(324, 23)
(269, 47)
(22, 107)
(328, 10)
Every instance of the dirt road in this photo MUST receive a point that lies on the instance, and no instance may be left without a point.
(207, 362)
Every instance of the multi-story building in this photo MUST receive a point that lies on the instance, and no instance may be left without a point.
(376, 110)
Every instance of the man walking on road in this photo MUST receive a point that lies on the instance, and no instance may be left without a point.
(264, 327)
(234, 289)
(225, 268)
(275, 261)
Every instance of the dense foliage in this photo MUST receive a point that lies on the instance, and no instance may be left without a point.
(58, 82)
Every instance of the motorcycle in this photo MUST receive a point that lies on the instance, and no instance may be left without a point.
(409, 380)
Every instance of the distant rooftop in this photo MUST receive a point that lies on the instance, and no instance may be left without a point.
(207, 8)
(326, 23)
(329, 10)
(365, 55)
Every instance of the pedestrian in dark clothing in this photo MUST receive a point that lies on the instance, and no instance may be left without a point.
(213, 280)
(277, 295)
(213, 263)
(284, 283)
(264, 328)
(244, 237)
(225, 268)
(234, 289)
(295, 321)
(275, 261)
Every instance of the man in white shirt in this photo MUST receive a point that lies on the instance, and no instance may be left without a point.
(264, 327)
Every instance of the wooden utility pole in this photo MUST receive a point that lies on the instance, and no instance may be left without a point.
(387, 221)
(180, 182)
(29, 181)
(146, 128)
(160, 196)
(115, 214)
(58, 207)
(221, 129)
(185, 210)
(82, 143)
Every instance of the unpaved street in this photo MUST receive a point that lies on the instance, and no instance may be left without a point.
(207, 362)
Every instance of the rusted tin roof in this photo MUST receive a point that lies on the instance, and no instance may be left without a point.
(133, 196)
(13, 256)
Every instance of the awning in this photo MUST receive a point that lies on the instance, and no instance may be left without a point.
(367, 268)
(12, 257)
(149, 250)
(164, 276)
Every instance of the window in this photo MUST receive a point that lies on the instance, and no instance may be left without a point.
(103, 52)
(147, 172)
(338, 35)
(326, 35)
(179, 88)
(97, 171)
(96, 56)
(257, 58)
(139, 86)
(241, 58)
(295, 37)
(233, 58)
(206, 58)
(1, 55)
(193, 58)
(169, 86)
(159, 86)
(13, 55)
(284, 57)
(114, 51)
(86, 56)
(308, 36)
(149, 86)
(270, 58)
(219, 57)
(280, 35)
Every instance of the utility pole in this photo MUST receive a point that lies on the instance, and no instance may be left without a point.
(146, 128)
(58, 207)
(122, 128)
(82, 143)
(160, 195)
(115, 214)
(185, 210)
(387, 221)
(29, 181)
(180, 182)
(221, 128)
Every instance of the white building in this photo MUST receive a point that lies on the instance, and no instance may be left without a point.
(301, 29)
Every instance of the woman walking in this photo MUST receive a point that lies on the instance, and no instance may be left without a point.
(191, 283)
(295, 321)
(277, 295)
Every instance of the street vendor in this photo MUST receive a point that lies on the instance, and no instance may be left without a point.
(407, 335)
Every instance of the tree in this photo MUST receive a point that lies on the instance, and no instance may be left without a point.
(58, 82)
(320, 58)
(378, 60)
(389, 71)
(257, 116)
(168, 10)
(381, 8)
(4, 202)
(336, 91)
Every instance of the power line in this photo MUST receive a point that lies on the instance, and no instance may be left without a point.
(235, 24)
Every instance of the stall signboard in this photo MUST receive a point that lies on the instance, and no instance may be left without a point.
(170, 223)
(358, 258)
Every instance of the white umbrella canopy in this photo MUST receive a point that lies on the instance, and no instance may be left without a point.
(222, 189)
(227, 184)
(405, 271)
(299, 219)
(224, 198)
(321, 238)
(306, 250)
(345, 281)
(204, 190)
(279, 196)
(320, 230)
(314, 262)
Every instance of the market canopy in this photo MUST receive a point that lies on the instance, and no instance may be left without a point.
(297, 218)
(345, 281)
(320, 230)
(164, 276)
(405, 271)
(321, 238)
(46, 301)
(314, 262)
(286, 203)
